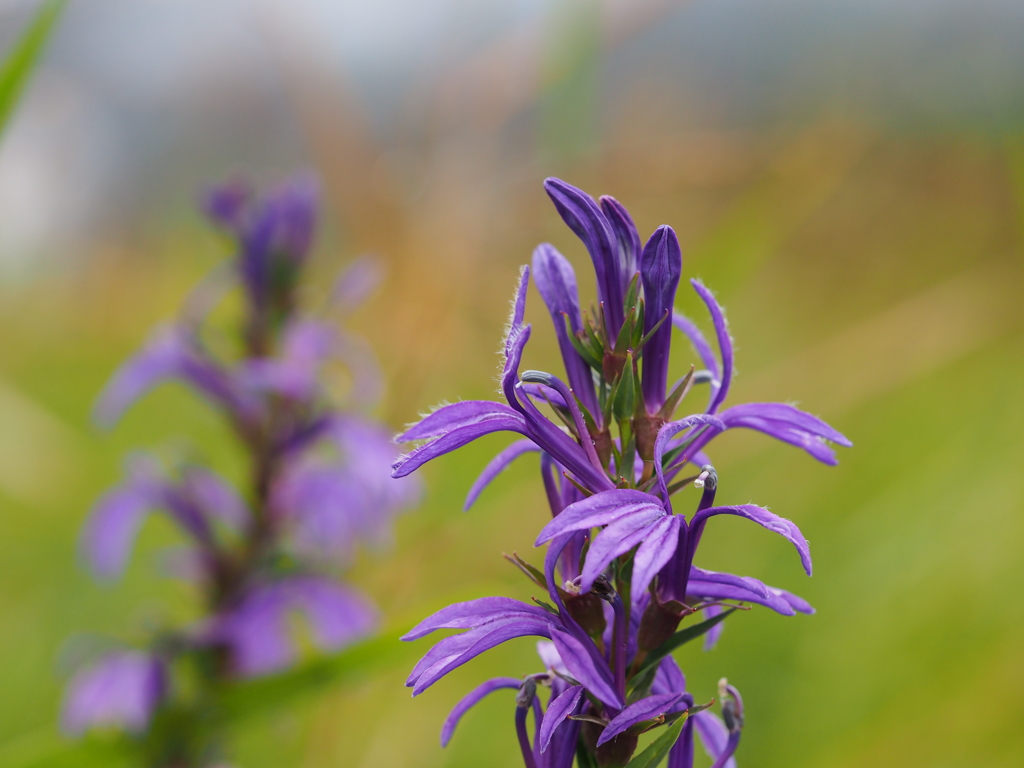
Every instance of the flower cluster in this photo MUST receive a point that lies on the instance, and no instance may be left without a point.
(619, 570)
(317, 479)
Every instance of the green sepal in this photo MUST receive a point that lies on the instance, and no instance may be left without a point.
(624, 400)
(546, 606)
(672, 401)
(647, 337)
(659, 748)
(584, 346)
(532, 572)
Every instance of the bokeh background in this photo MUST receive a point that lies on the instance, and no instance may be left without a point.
(849, 176)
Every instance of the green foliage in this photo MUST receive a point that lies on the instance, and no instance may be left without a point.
(25, 56)
(659, 748)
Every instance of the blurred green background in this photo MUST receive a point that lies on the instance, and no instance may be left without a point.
(849, 176)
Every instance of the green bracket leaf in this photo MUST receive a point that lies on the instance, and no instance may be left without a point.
(659, 748)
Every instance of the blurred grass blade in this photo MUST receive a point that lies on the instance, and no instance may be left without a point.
(658, 748)
(22, 59)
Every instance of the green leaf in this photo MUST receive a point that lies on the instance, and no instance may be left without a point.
(23, 58)
(680, 638)
(659, 748)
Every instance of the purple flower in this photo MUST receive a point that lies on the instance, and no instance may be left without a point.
(610, 454)
(121, 690)
(257, 632)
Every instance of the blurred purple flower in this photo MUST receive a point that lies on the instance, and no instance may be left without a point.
(257, 631)
(120, 690)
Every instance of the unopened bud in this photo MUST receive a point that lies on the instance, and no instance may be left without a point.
(527, 693)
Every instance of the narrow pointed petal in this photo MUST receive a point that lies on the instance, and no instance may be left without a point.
(454, 439)
(786, 414)
(617, 539)
(448, 417)
(724, 343)
(652, 555)
(660, 268)
(626, 235)
(471, 700)
(484, 638)
(337, 616)
(559, 709)
(581, 665)
(715, 633)
(556, 281)
(798, 603)
(765, 519)
(742, 582)
(496, 466)
(714, 590)
(474, 613)
(597, 510)
(583, 216)
(645, 709)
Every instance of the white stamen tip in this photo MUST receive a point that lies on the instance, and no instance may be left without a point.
(572, 588)
(699, 482)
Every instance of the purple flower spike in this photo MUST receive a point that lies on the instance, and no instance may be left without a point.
(120, 690)
(583, 216)
(660, 269)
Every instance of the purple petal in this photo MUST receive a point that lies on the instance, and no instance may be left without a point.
(670, 430)
(337, 615)
(652, 555)
(700, 344)
(718, 591)
(111, 530)
(256, 633)
(170, 353)
(449, 417)
(583, 216)
(645, 709)
(618, 538)
(558, 710)
(713, 634)
(660, 269)
(355, 283)
(597, 510)
(496, 466)
(474, 613)
(786, 414)
(724, 343)
(798, 603)
(627, 237)
(227, 203)
(713, 735)
(582, 666)
(742, 582)
(483, 639)
(471, 699)
(765, 519)
(121, 689)
(216, 498)
(669, 678)
(556, 281)
(454, 439)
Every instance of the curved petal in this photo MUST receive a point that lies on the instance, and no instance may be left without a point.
(454, 439)
(496, 466)
(717, 591)
(581, 665)
(111, 529)
(626, 235)
(713, 735)
(724, 343)
(337, 615)
(555, 279)
(617, 539)
(670, 430)
(451, 416)
(474, 613)
(583, 216)
(645, 709)
(765, 519)
(471, 700)
(656, 550)
(700, 345)
(122, 689)
(559, 709)
(600, 509)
